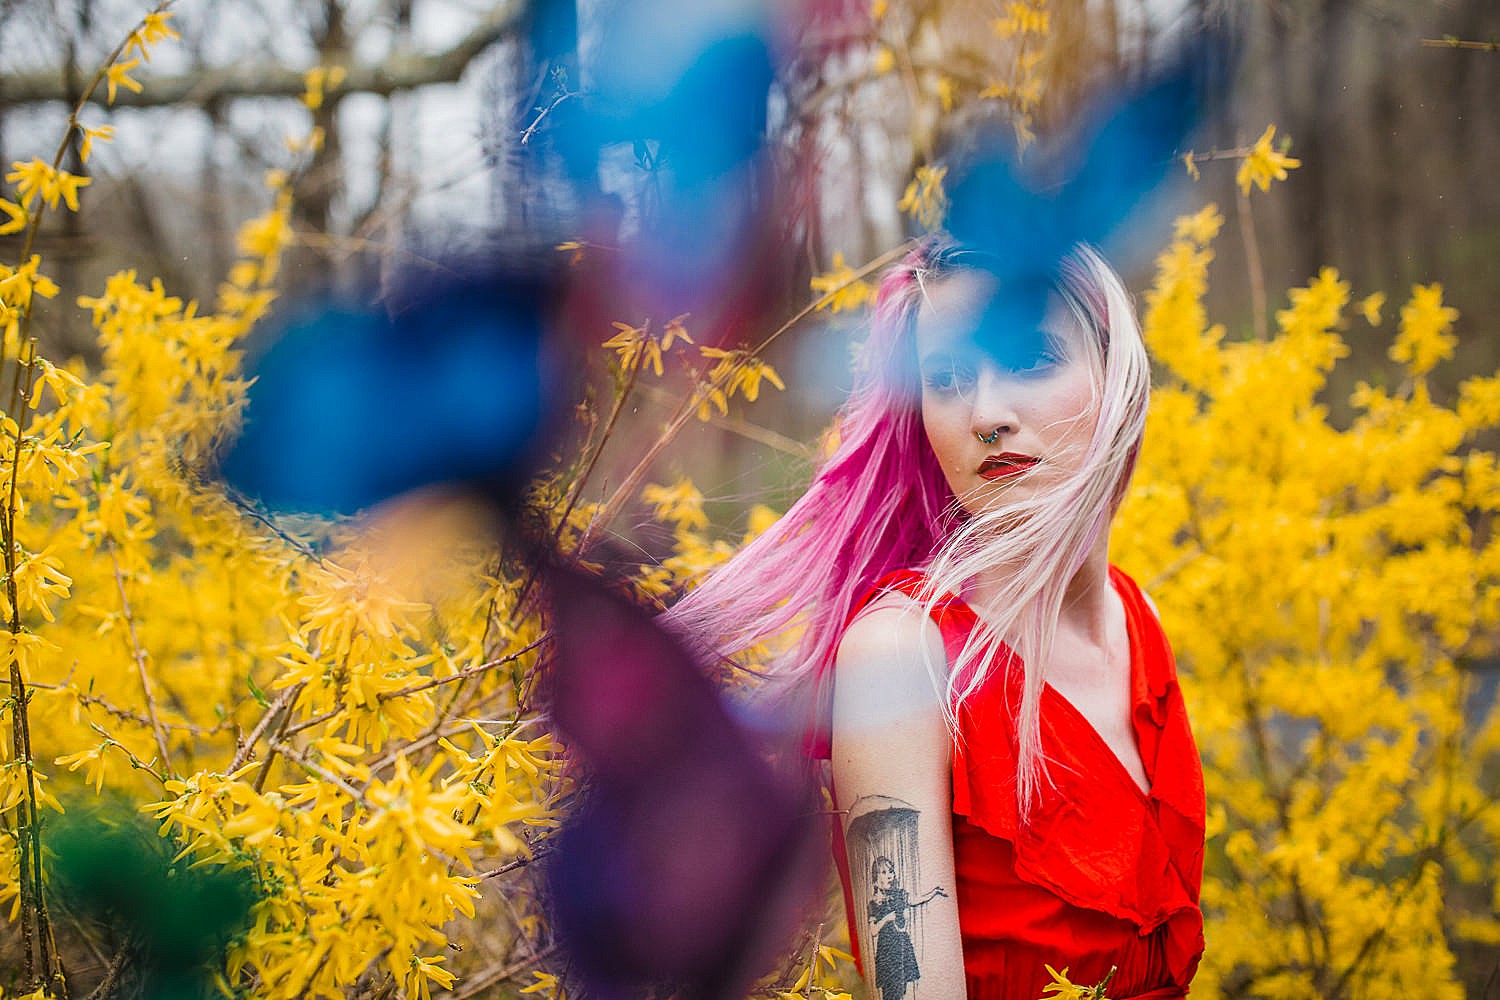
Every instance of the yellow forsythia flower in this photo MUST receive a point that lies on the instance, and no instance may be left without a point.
(839, 289)
(118, 76)
(1369, 307)
(1425, 335)
(1022, 18)
(924, 199)
(37, 179)
(1264, 164)
(680, 503)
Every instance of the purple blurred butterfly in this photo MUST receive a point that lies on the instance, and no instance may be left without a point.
(690, 858)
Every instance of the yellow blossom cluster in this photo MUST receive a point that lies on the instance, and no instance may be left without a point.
(821, 977)
(841, 288)
(1022, 17)
(282, 697)
(38, 179)
(277, 694)
(734, 371)
(637, 347)
(694, 553)
(924, 199)
(287, 711)
(1025, 25)
(1324, 587)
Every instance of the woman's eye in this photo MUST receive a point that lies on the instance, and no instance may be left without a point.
(1039, 364)
(949, 380)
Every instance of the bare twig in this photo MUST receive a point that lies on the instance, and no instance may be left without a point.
(1450, 42)
(742, 427)
(283, 703)
(541, 116)
(466, 673)
(477, 984)
(511, 866)
(210, 85)
(36, 930)
(296, 756)
(135, 761)
(139, 656)
(109, 985)
(1252, 263)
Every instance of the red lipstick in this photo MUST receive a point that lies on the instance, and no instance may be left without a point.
(1005, 466)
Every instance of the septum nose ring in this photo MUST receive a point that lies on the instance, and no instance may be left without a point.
(989, 438)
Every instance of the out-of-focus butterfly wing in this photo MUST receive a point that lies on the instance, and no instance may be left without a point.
(666, 150)
(107, 864)
(1022, 218)
(353, 405)
(689, 857)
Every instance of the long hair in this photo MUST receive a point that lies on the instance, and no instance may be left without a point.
(881, 503)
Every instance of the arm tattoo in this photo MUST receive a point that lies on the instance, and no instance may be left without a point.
(883, 863)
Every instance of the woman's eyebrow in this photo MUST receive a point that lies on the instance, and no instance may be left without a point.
(948, 354)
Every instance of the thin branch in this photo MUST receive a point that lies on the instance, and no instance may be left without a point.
(135, 761)
(466, 673)
(109, 985)
(742, 427)
(254, 512)
(1253, 265)
(208, 86)
(319, 771)
(316, 720)
(1450, 42)
(511, 866)
(123, 714)
(36, 931)
(139, 656)
(283, 703)
(484, 980)
(542, 116)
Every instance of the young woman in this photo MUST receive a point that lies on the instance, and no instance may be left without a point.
(998, 703)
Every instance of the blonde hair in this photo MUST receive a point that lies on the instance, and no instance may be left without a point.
(1047, 537)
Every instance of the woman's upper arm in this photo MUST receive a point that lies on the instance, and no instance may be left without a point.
(892, 771)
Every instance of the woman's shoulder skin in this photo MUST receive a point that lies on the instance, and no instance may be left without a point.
(889, 664)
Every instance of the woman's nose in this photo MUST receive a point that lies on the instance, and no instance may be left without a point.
(994, 412)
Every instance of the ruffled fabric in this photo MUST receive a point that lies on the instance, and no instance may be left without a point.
(1104, 874)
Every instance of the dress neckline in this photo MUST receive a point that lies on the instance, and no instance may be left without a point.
(1141, 693)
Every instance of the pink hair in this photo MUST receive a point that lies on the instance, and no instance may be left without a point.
(877, 504)
(881, 503)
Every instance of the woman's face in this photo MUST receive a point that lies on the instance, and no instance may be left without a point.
(885, 877)
(1001, 429)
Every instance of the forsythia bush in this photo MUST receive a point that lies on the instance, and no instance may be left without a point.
(281, 708)
(1324, 588)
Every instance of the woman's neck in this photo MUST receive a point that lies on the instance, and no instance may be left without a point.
(1088, 603)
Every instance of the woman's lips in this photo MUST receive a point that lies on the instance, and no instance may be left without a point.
(1006, 465)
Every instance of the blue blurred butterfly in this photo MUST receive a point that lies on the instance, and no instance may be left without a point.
(685, 85)
(454, 380)
(1023, 218)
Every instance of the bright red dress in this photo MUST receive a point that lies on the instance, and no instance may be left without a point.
(1104, 874)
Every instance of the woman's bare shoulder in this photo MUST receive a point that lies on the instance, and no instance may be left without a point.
(893, 642)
